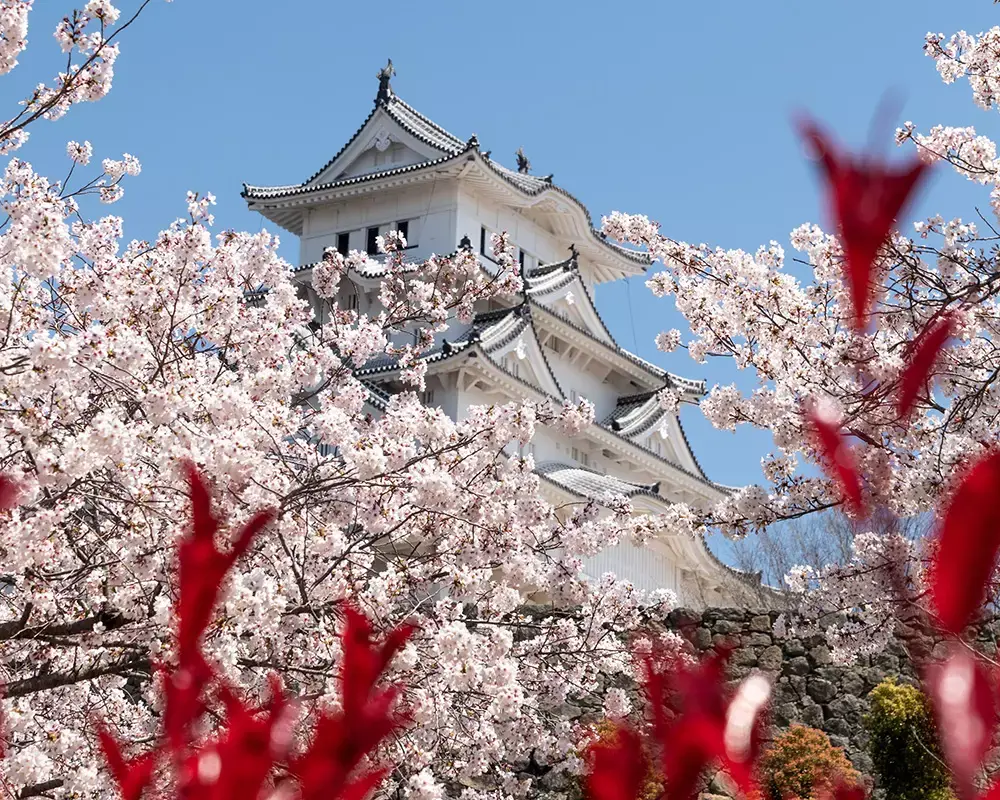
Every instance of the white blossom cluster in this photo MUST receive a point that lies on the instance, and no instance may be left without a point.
(795, 337)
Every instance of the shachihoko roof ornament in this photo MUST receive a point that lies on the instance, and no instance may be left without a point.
(384, 75)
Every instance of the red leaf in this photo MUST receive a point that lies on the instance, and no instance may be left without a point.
(10, 492)
(699, 721)
(240, 762)
(865, 198)
(744, 732)
(709, 723)
(925, 351)
(326, 771)
(965, 706)
(131, 777)
(184, 704)
(617, 768)
(967, 546)
(363, 661)
(839, 457)
(203, 568)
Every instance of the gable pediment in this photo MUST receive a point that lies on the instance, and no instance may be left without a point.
(384, 153)
(563, 293)
(383, 142)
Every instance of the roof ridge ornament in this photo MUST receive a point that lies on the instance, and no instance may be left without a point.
(523, 165)
(384, 75)
(473, 142)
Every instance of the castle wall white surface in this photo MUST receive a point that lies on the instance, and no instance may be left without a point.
(430, 208)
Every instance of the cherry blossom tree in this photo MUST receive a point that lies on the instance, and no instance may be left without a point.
(884, 375)
(121, 360)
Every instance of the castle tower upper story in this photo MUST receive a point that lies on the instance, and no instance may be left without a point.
(401, 171)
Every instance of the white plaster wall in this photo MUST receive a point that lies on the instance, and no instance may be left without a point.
(666, 448)
(601, 394)
(646, 568)
(431, 209)
(475, 212)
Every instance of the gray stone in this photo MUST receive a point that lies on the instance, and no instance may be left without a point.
(820, 655)
(683, 617)
(761, 623)
(812, 716)
(729, 641)
(832, 674)
(847, 707)
(722, 784)
(798, 666)
(794, 647)
(785, 714)
(701, 638)
(838, 726)
(852, 683)
(820, 690)
(744, 657)
(726, 626)
(770, 659)
(887, 662)
(756, 640)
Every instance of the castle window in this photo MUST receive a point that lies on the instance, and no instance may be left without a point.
(482, 241)
(404, 230)
(372, 244)
(585, 459)
(343, 243)
(351, 301)
(520, 258)
(575, 454)
(427, 397)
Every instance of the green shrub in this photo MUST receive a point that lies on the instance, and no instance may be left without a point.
(904, 744)
(802, 761)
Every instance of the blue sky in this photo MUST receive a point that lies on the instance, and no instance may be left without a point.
(676, 110)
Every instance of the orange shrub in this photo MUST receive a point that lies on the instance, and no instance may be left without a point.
(800, 762)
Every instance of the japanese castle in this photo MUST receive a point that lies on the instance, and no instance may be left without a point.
(401, 171)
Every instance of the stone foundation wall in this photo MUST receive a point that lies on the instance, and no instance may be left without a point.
(808, 687)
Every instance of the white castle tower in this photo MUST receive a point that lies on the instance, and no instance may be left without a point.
(401, 171)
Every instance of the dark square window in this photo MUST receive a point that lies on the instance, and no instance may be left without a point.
(343, 243)
(372, 244)
(404, 230)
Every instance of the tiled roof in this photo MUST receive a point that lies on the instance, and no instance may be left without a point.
(432, 134)
(410, 120)
(593, 485)
(687, 384)
(492, 329)
(635, 413)
(264, 192)
(423, 128)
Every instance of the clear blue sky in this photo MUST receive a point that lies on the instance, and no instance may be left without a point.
(676, 110)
